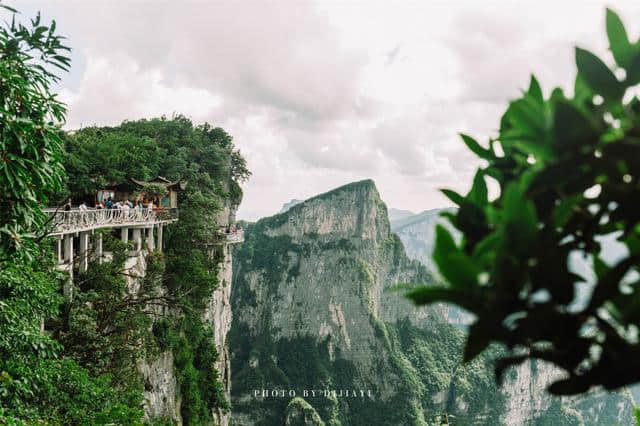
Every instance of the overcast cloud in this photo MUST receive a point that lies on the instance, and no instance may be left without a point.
(318, 94)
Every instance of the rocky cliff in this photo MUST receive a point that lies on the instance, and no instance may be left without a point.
(319, 335)
(218, 314)
(315, 316)
(162, 396)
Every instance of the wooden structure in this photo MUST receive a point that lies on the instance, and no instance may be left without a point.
(134, 191)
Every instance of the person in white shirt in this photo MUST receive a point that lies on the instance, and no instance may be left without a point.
(125, 209)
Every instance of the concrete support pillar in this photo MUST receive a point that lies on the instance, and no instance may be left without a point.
(124, 235)
(137, 240)
(59, 251)
(68, 249)
(159, 238)
(150, 241)
(84, 252)
(98, 244)
(67, 288)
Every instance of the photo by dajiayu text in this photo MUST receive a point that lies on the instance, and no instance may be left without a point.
(313, 393)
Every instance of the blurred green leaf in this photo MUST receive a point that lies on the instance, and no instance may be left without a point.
(633, 71)
(457, 268)
(598, 76)
(453, 196)
(623, 51)
(535, 90)
(479, 193)
(477, 340)
(519, 218)
(474, 146)
(565, 209)
(571, 126)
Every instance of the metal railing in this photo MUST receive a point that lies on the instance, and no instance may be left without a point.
(79, 220)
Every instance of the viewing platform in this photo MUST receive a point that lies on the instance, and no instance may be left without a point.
(235, 236)
(74, 221)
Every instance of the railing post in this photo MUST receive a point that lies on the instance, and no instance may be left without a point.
(68, 249)
(67, 287)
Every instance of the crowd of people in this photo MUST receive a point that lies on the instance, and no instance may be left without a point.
(125, 204)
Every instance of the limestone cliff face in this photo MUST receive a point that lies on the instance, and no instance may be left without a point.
(218, 314)
(162, 398)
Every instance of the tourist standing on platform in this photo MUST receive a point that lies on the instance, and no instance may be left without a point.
(125, 209)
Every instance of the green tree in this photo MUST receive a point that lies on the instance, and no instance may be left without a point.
(30, 143)
(105, 327)
(37, 383)
(567, 171)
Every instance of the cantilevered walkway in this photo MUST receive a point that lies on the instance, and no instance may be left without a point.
(77, 242)
(73, 221)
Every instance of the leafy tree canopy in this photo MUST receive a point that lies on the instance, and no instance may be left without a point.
(30, 116)
(566, 166)
(96, 157)
(38, 384)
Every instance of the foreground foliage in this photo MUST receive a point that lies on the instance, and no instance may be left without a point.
(30, 116)
(567, 170)
(38, 383)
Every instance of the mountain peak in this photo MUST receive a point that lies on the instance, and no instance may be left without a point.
(351, 210)
(287, 206)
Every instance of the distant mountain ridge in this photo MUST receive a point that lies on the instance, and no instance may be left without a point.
(417, 233)
(397, 214)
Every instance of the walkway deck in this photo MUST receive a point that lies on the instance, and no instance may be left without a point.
(72, 221)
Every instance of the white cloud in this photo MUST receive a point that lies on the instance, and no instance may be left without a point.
(317, 94)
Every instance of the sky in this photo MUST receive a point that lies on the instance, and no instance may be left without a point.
(320, 94)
